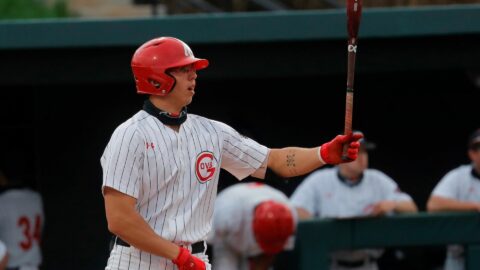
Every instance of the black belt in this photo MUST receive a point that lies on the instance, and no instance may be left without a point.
(353, 264)
(198, 247)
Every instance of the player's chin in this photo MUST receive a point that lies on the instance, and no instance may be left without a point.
(188, 100)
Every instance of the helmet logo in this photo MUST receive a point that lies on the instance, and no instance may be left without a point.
(188, 52)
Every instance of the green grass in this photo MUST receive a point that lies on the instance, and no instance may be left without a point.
(31, 9)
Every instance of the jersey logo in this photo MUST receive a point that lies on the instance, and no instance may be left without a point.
(205, 166)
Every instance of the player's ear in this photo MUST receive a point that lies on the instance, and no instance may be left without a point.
(154, 83)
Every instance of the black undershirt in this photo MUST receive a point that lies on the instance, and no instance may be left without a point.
(165, 117)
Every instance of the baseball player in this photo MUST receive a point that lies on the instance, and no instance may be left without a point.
(21, 224)
(251, 223)
(351, 190)
(459, 190)
(161, 166)
(3, 256)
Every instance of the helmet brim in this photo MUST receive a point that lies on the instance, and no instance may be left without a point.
(199, 63)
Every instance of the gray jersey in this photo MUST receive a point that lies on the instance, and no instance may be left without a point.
(21, 224)
(324, 195)
(458, 184)
(3, 251)
(174, 175)
(232, 235)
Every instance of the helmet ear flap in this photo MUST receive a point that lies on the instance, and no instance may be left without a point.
(161, 83)
(155, 84)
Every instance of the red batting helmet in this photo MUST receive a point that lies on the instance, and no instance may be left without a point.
(151, 61)
(273, 224)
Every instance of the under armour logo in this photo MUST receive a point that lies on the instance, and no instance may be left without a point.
(150, 145)
(352, 48)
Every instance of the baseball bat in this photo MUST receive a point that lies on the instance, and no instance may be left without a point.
(354, 13)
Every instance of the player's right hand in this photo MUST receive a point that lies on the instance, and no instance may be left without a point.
(331, 152)
(186, 261)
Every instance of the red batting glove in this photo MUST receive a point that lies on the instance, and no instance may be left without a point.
(331, 152)
(186, 261)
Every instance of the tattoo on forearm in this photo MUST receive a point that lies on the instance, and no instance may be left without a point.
(291, 160)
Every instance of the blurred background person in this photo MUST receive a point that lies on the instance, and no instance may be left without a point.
(459, 191)
(252, 223)
(351, 190)
(21, 222)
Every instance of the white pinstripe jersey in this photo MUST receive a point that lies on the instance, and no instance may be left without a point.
(174, 175)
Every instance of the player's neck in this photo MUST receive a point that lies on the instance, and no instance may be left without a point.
(164, 105)
(350, 176)
(169, 119)
(175, 128)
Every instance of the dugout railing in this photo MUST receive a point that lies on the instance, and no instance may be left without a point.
(316, 238)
